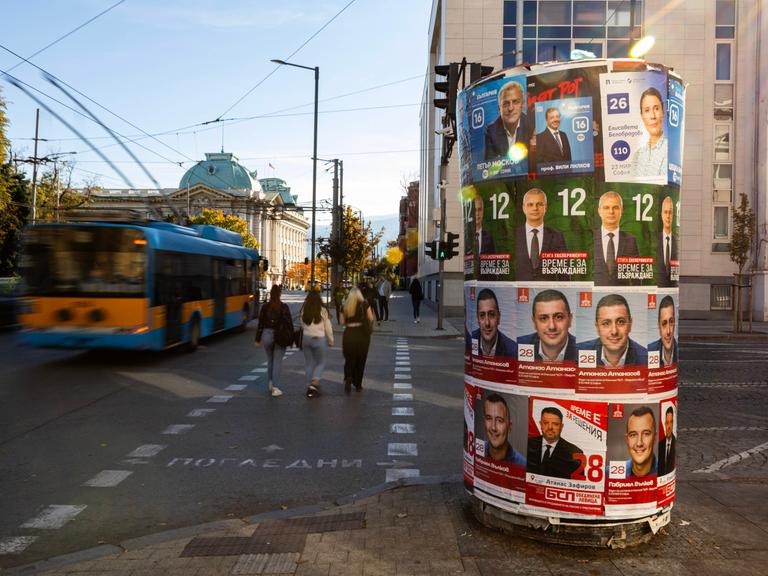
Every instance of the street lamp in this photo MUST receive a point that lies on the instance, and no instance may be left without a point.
(314, 161)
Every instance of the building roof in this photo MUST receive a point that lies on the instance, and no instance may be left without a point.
(222, 171)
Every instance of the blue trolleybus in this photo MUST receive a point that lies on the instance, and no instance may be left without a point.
(146, 285)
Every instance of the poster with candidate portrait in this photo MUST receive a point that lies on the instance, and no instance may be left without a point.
(470, 321)
(566, 456)
(666, 452)
(612, 356)
(563, 141)
(500, 441)
(499, 129)
(624, 236)
(463, 143)
(635, 130)
(553, 230)
(546, 340)
(632, 460)
(492, 344)
(676, 122)
(663, 340)
(469, 435)
(667, 237)
(490, 216)
(469, 207)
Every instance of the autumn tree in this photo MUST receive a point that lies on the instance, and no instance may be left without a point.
(228, 222)
(357, 246)
(55, 194)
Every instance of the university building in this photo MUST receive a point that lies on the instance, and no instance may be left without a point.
(719, 47)
(220, 182)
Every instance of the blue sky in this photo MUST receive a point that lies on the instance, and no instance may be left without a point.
(168, 66)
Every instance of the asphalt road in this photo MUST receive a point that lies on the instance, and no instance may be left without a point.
(178, 458)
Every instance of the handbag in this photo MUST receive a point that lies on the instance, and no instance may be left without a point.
(298, 337)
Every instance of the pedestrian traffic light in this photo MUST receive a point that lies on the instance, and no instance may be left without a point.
(430, 249)
(477, 71)
(448, 87)
(441, 253)
(451, 245)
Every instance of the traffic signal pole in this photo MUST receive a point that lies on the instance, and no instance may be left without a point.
(441, 264)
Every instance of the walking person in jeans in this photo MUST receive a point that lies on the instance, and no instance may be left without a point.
(357, 318)
(417, 295)
(274, 318)
(385, 291)
(318, 335)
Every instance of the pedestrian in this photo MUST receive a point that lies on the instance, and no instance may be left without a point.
(318, 335)
(417, 295)
(357, 319)
(372, 296)
(275, 333)
(385, 291)
(338, 300)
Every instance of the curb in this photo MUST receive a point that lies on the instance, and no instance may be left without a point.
(104, 550)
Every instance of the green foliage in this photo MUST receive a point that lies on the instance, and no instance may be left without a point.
(54, 198)
(13, 215)
(355, 251)
(743, 232)
(228, 222)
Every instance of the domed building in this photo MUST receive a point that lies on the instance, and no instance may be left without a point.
(220, 182)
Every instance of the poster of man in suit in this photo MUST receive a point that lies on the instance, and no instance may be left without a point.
(667, 262)
(564, 137)
(667, 439)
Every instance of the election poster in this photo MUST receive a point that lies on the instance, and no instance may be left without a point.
(632, 460)
(663, 340)
(469, 207)
(499, 130)
(470, 320)
(667, 237)
(500, 440)
(635, 126)
(666, 462)
(469, 435)
(463, 141)
(612, 353)
(492, 343)
(566, 455)
(546, 341)
(675, 120)
(491, 213)
(624, 242)
(553, 231)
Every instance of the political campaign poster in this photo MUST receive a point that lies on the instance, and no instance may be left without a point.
(663, 351)
(676, 121)
(666, 463)
(469, 207)
(546, 341)
(612, 353)
(667, 237)
(635, 126)
(553, 230)
(490, 214)
(632, 460)
(500, 440)
(624, 236)
(566, 455)
(463, 142)
(469, 435)
(492, 341)
(499, 129)
(563, 141)
(470, 320)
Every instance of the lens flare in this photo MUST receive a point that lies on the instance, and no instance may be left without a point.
(518, 152)
(642, 47)
(394, 256)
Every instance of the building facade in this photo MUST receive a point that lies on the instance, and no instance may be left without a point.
(220, 182)
(719, 47)
(407, 239)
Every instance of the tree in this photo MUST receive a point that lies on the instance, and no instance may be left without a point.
(54, 197)
(741, 240)
(355, 251)
(228, 222)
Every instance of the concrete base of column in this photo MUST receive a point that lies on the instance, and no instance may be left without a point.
(594, 534)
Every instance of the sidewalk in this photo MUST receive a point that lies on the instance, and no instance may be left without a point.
(692, 330)
(420, 526)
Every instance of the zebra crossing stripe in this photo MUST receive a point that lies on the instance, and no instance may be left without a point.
(402, 449)
(400, 428)
(220, 399)
(108, 478)
(146, 451)
(402, 386)
(401, 397)
(402, 411)
(249, 378)
(394, 474)
(15, 544)
(236, 387)
(176, 429)
(54, 516)
(200, 412)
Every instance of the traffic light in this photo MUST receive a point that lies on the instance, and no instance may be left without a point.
(451, 245)
(477, 71)
(430, 249)
(441, 253)
(448, 87)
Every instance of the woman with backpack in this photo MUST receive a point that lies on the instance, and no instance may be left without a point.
(357, 319)
(275, 333)
(317, 336)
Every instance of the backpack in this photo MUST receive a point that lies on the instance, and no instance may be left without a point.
(284, 330)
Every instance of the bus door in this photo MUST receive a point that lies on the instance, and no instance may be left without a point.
(219, 294)
(169, 294)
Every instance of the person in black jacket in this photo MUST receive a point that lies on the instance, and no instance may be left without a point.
(417, 295)
(274, 332)
(549, 454)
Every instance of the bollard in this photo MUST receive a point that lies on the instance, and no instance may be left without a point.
(570, 188)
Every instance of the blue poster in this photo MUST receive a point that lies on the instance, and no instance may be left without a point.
(676, 119)
(564, 140)
(500, 131)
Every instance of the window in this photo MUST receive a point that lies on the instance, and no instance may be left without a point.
(510, 12)
(554, 50)
(722, 222)
(723, 62)
(555, 13)
(595, 47)
(529, 12)
(619, 13)
(618, 48)
(721, 176)
(720, 297)
(725, 18)
(588, 13)
(723, 142)
(723, 101)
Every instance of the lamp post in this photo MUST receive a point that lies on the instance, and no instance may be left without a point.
(314, 162)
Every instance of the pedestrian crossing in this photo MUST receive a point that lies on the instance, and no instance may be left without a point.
(401, 376)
